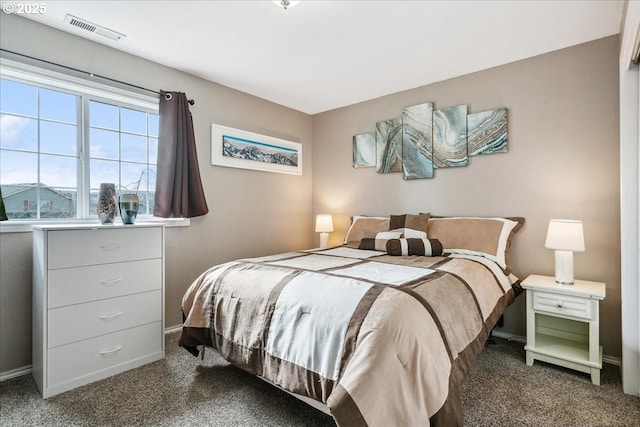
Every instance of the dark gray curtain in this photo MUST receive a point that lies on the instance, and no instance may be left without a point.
(179, 192)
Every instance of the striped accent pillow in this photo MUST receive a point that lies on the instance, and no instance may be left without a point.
(412, 246)
(379, 243)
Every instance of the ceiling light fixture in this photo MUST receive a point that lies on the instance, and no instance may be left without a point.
(286, 4)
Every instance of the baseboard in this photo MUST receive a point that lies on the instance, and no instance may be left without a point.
(18, 372)
(171, 329)
(612, 360)
(509, 337)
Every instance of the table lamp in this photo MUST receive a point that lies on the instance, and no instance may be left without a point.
(324, 226)
(565, 236)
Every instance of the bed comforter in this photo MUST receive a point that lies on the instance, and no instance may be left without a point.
(382, 340)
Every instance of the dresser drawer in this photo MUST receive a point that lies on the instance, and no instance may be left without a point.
(75, 248)
(82, 284)
(89, 357)
(78, 322)
(562, 304)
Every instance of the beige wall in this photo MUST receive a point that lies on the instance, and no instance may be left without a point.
(251, 213)
(563, 162)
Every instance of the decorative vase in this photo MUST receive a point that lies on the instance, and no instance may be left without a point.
(107, 203)
(128, 207)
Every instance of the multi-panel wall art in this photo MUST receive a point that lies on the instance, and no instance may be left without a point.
(424, 139)
(487, 132)
(417, 141)
(450, 137)
(364, 150)
(389, 145)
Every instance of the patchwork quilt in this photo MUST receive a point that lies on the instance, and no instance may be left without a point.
(381, 340)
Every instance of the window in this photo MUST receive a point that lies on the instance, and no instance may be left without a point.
(60, 137)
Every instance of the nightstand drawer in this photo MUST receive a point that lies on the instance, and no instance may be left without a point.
(562, 304)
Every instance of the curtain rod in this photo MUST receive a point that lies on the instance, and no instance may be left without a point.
(161, 92)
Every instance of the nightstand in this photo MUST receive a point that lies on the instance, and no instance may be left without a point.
(563, 324)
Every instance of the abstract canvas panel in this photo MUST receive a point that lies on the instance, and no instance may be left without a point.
(364, 150)
(450, 137)
(417, 141)
(487, 132)
(389, 145)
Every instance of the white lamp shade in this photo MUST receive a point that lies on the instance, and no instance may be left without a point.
(324, 223)
(565, 235)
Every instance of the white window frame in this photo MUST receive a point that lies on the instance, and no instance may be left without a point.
(59, 81)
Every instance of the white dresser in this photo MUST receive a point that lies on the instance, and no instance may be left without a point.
(98, 302)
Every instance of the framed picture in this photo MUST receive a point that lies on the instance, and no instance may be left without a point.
(236, 148)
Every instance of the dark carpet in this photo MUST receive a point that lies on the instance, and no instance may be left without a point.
(181, 390)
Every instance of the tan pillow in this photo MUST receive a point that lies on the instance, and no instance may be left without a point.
(366, 226)
(487, 237)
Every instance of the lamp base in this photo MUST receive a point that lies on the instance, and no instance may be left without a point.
(564, 267)
(324, 240)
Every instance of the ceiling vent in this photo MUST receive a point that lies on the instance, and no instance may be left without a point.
(92, 28)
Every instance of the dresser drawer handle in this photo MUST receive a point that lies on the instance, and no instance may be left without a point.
(111, 246)
(110, 351)
(110, 316)
(110, 282)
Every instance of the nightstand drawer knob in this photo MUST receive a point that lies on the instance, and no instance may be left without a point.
(559, 305)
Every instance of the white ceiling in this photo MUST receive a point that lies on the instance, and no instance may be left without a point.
(322, 55)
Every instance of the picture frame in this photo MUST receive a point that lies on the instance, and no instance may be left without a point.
(237, 148)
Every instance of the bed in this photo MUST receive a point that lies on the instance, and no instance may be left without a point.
(381, 331)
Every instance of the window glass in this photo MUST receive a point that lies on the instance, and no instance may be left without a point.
(58, 138)
(103, 171)
(133, 148)
(57, 202)
(104, 144)
(58, 171)
(152, 177)
(133, 121)
(153, 124)
(46, 150)
(133, 176)
(18, 176)
(58, 106)
(153, 150)
(103, 115)
(18, 168)
(18, 98)
(18, 133)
